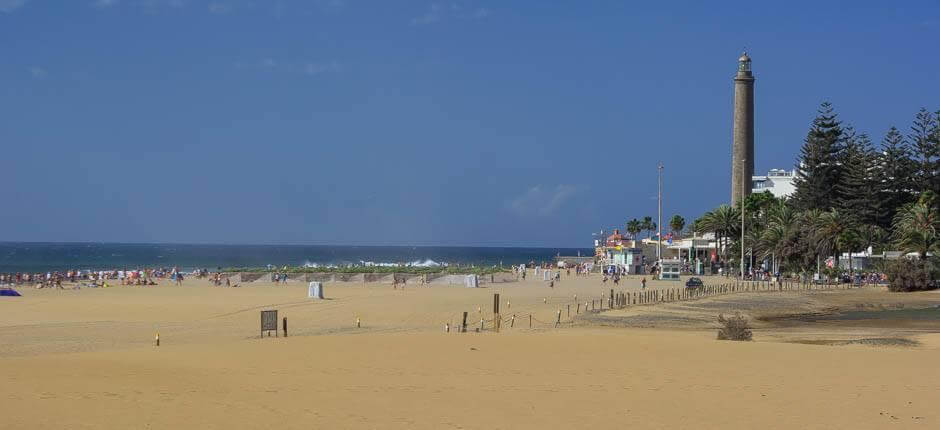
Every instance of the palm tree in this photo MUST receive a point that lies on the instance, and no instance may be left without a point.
(872, 235)
(648, 225)
(724, 222)
(634, 226)
(833, 233)
(917, 228)
(677, 223)
(778, 238)
(807, 221)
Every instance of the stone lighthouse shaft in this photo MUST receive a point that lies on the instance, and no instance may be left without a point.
(742, 147)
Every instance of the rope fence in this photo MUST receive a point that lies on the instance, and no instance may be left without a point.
(621, 299)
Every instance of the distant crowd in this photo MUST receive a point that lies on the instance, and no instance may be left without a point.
(99, 277)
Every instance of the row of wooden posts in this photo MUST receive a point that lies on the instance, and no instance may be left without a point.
(620, 300)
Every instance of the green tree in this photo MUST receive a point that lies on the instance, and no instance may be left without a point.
(778, 240)
(649, 225)
(834, 233)
(819, 171)
(634, 227)
(925, 146)
(895, 174)
(917, 227)
(808, 249)
(724, 221)
(872, 236)
(859, 188)
(677, 223)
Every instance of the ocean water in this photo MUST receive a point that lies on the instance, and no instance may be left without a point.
(42, 257)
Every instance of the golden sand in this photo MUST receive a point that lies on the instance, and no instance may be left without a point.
(85, 359)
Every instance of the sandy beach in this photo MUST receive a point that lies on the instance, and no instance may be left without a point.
(86, 359)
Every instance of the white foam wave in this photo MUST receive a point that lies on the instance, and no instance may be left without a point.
(417, 263)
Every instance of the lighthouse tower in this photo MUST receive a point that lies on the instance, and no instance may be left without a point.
(742, 146)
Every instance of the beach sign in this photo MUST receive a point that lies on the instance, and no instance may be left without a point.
(269, 322)
(315, 290)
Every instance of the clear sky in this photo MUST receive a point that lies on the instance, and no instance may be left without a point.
(483, 122)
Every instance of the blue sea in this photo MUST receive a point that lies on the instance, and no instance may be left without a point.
(43, 257)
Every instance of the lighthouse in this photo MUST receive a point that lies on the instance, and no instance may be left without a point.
(742, 144)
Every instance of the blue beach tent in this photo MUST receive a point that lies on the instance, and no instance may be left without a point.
(9, 292)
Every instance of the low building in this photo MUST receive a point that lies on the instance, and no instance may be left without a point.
(618, 250)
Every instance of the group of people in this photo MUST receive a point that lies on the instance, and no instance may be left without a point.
(857, 278)
(55, 279)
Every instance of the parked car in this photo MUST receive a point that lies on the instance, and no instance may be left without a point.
(694, 283)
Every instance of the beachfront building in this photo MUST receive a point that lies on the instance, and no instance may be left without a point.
(778, 181)
(629, 259)
(620, 251)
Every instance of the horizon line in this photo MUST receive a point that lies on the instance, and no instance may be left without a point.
(6, 242)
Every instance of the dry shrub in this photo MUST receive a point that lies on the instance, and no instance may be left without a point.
(734, 328)
(912, 275)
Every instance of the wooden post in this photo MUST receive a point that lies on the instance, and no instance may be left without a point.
(579, 308)
(512, 322)
(157, 339)
(285, 326)
(463, 326)
(496, 318)
(358, 323)
(558, 320)
(569, 311)
(530, 320)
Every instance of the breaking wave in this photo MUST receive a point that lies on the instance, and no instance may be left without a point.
(417, 263)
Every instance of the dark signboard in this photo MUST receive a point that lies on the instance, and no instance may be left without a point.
(268, 322)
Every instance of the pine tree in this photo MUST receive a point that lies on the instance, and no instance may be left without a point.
(859, 189)
(925, 149)
(895, 173)
(819, 171)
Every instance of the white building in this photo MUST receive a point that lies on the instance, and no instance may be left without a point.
(778, 181)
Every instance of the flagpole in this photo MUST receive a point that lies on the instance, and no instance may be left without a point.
(659, 224)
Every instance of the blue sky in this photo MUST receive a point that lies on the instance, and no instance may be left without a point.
(472, 122)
